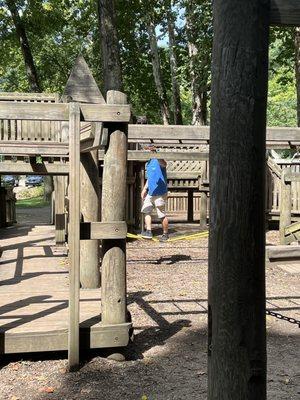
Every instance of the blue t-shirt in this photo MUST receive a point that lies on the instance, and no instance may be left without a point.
(157, 178)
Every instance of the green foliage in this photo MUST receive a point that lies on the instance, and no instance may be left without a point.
(32, 202)
(58, 30)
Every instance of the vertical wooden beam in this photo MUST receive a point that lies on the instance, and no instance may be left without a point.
(190, 210)
(236, 288)
(74, 232)
(203, 197)
(59, 191)
(285, 205)
(113, 271)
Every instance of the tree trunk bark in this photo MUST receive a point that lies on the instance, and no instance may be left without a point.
(25, 47)
(174, 68)
(297, 71)
(164, 107)
(236, 288)
(111, 64)
(199, 89)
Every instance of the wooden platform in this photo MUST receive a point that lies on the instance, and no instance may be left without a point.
(34, 297)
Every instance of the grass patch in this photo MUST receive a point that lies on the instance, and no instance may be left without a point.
(32, 202)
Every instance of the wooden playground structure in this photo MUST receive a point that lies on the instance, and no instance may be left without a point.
(41, 135)
(88, 140)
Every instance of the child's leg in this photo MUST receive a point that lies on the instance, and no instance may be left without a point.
(148, 222)
(165, 224)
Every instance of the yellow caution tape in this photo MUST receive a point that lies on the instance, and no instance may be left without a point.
(193, 236)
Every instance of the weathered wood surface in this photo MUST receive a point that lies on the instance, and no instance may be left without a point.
(43, 148)
(113, 269)
(15, 96)
(59, 215)
(60, 112)
(143, 156)
(103, 230)
(283, 252)
(285, 206)
(81, 87)
(34, 295)
(24, 168)
(74, 234)
(236, 287)
(204, 196)
(285, 12)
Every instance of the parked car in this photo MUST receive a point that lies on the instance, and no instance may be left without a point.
(9, 180)
(33, 180)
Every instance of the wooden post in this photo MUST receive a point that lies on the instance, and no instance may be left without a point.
(236, 288)
(285, 205)
(82, 87)
(3, 216)
(59, 191)
(113, 271)
(203, 197)
(74, 235)
(190, 213)
(90, 191)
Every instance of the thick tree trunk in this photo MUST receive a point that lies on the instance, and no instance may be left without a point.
(199, 80)
(111, 64)
(297, 71)
(48, 188)
(236, 289)
(25, 47)
(173, 66)
(164, 107)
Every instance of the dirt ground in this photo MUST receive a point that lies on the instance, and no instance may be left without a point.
(167, 286)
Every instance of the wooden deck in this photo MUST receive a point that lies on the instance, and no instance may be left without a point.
(34, 291)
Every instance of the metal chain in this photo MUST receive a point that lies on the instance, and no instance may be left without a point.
(283, 317)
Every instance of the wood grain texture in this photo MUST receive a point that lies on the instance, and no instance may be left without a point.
(236, 298)
(20, 168)
(74, 234)
(103, 230)
(285, 206)
(113, 270)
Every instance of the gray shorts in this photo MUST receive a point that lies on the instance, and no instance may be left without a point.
(157, 202)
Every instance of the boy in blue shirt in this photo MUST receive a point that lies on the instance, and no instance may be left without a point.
(154, 195)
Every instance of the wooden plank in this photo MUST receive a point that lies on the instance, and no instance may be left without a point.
(74, 234)
(292, 228)
(105, 112)
(274, 167)
(103, 230)
(292, 177)
(285, 12)
(15, 96)
(283, 252)
(285, 205)
(60, 112)
(43, 148)
(200, 133)
(34, 111)
(20, 168)
(143, 156)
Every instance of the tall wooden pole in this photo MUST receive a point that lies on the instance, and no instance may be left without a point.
(74, 236)
(113, 269)
(236, 299)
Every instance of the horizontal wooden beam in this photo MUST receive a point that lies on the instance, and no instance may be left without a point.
(172, 133)
(283, 252)
(22, 168)
(143, 156)
(292, 228)
(15, 96)
(24, 148)
(103, 230)
(60, 112)
(292, 177)
(285, 12)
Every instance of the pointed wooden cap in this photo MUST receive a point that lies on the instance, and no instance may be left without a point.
(81, 85)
